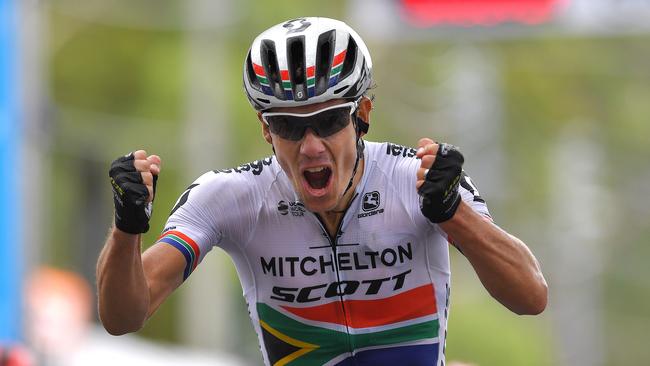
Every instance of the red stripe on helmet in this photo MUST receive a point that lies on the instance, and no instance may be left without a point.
(259, 70)
(339, 58)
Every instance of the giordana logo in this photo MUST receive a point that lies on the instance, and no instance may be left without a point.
(296, 208)
(371, 201)
(370, 204)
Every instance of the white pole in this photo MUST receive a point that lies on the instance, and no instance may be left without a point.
(206, 305)
(473, 107)
(34, 164)
(574, 263)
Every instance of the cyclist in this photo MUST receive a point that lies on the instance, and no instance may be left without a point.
(341, 244)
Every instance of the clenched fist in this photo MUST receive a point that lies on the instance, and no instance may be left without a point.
(438, 179)
(133, 179)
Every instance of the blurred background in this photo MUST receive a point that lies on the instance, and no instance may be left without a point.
(548, 99)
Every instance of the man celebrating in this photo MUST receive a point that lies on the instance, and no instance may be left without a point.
(341, 244)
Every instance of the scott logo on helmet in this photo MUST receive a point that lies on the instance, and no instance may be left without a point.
(304, 24)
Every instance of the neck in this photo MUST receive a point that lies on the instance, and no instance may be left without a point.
(332, 218)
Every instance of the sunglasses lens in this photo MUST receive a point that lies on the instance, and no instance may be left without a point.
(288, 127)
(324, 124)
(330, 122)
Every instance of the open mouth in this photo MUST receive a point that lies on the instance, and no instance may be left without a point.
(317, 178)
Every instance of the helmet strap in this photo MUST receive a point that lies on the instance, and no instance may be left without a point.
(359, 126)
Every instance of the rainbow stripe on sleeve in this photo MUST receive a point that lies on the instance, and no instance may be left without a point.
(186, 246)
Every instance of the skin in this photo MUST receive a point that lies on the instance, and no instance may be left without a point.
(131, 286)
(337, 152)
(506, 267)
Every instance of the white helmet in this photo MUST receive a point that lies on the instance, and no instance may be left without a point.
(305, 61)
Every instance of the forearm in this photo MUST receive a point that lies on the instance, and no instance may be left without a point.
(123, 293)
(504, 264)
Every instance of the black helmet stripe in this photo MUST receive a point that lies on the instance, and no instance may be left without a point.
(250, 73)
(297, 69)
(324, 57)
(361, 85)
(270, 64)
(350, 59)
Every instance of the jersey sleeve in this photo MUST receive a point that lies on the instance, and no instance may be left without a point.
(206, 213)
(470, 194)
(406, 167)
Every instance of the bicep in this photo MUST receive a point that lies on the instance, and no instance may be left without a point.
(163, 269)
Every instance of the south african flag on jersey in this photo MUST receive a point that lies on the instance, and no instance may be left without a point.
(398, 330)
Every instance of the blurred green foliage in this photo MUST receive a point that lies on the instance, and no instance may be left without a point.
(114, 88)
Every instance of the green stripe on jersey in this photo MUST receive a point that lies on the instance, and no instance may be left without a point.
(187, 246)
(328, 344)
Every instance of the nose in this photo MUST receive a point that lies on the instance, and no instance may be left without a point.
(311, 145)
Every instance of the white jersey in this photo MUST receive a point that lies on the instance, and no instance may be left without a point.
(376, 294)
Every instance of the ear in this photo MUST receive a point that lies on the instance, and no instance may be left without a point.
(363, 111)
(265, 129)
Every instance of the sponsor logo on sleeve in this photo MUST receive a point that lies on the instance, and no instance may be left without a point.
(399, 150)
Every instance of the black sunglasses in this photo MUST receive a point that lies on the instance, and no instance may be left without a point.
(324, 122)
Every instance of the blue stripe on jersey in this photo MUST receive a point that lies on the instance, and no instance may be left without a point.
(184, 251)
(416, 355)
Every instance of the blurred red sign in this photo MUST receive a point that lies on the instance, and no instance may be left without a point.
(426, 13)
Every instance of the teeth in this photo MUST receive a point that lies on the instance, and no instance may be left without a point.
(315, 170)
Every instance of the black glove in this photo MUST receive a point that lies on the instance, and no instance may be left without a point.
(439, 196)
(132, 211)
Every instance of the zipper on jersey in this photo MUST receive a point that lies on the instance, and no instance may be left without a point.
(333, 244)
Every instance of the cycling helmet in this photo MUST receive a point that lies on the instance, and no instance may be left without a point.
(305, 61)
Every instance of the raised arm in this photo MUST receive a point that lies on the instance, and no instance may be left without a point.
(504, 264)
(131, 286)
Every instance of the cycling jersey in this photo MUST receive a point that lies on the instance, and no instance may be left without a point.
(375, 294)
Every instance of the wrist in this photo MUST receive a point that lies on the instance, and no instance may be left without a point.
(122, 235)
(131, 221)
(466, 225)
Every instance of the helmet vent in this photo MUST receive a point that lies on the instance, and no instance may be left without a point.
(361, 85)
(341, 89)
(350, 59)
(264, 100)
(297, 69)
(324, 57)
(250, 72)
(270, 62)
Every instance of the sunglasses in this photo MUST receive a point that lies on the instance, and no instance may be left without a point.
(324, 122)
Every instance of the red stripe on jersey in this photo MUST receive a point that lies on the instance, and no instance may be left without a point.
(188, 240)
(411, 304)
